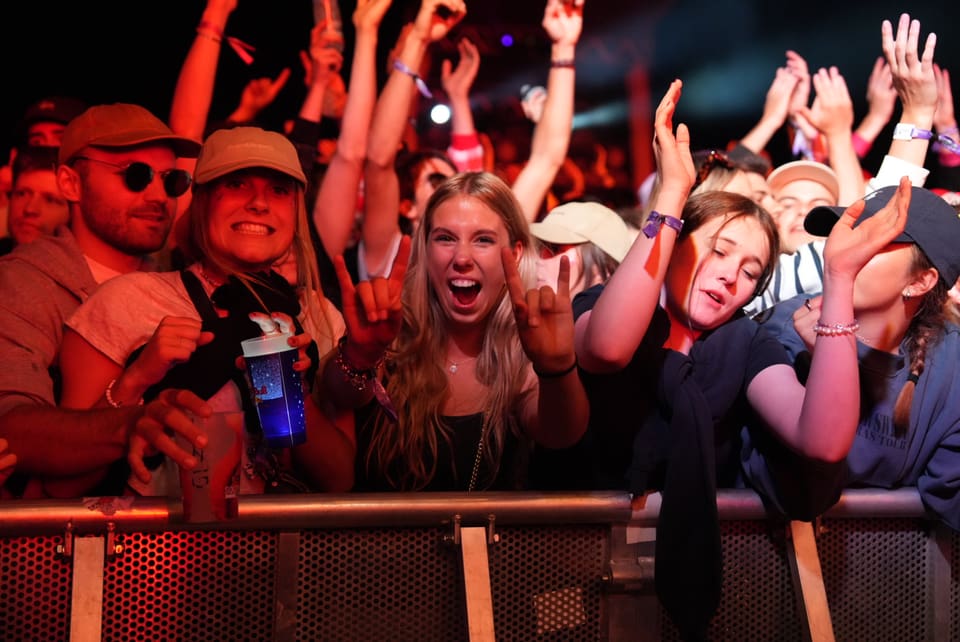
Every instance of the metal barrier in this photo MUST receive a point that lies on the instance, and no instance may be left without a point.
(454, 566)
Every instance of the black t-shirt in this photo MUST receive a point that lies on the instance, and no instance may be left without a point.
(455, 464)
(622, 448)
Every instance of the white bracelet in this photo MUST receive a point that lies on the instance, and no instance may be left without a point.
(108, 394)
(836, 329)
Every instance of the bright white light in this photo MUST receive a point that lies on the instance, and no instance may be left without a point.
(440, 114)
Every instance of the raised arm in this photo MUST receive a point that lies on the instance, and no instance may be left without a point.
(832, 115)
(821, 420)
(557, 415)
(380, 226)
(193, 93)
(916, 84)
(563, 22)
(373, 312)
(465, 149)
(604, 343)
(881, 101)
(775, 109)
(333, 212)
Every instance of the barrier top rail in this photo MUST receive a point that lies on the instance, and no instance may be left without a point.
(356, 510)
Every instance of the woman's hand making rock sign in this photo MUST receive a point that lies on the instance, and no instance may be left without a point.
(372, 310)
(544, 318)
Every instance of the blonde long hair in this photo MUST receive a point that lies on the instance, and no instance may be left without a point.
(406, 453)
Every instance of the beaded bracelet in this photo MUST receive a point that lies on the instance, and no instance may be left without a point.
(836, 329)
(108, 395)
(359, 378)
(556, 375)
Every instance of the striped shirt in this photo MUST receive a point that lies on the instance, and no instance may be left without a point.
(797, 273)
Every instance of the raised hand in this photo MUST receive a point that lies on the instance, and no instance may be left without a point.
(797, 65)
(674, 161)
(437, 17)
(944, 119)
(258, 94)
(849, 248)
(373, 309)
(563, 21)
(832, 110)
(369, 14)
(163, 418)
(912, 72)
(544, 317)
(881, 94)
(457, 81)
(776, 105)
(324, 59)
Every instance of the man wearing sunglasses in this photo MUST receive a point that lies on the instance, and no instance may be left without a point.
(117, 169)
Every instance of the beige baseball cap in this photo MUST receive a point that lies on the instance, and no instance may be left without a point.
(577, 222)
(236, 148)
(805, 170)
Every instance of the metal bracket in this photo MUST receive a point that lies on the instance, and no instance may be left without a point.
(65, 550)
(493, 537)
(113, 545)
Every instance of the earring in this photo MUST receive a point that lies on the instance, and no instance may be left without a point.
(907, 293)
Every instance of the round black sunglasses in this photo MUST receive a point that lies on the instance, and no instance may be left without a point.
(137, 176)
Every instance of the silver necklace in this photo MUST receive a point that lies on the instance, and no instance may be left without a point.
(455, 365)
(203, 275)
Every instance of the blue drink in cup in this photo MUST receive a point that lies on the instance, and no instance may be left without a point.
(277, 388)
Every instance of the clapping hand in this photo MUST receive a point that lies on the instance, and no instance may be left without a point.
(849, 248)
(672, 151)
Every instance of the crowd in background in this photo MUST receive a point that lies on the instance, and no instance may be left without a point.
(500, 307)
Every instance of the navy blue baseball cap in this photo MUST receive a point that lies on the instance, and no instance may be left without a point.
(932, 224)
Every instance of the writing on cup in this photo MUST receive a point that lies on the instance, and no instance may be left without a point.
(211, 489)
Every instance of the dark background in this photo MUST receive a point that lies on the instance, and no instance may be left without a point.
(726, 53)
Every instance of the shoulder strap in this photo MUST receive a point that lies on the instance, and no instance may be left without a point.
(199, 297)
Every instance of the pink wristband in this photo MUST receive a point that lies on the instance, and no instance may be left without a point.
(861, 145)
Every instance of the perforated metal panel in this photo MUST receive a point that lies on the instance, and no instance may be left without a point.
(399, 584)
(547, 583)
(407, 584)
(758, 600)
(875, 572)
(34, 589)
(191, 585)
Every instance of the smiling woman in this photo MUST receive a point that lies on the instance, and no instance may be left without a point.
(474, 371)
(145, 332)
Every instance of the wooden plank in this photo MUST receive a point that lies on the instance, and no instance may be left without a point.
(86, 609)
(810, 575)
(476, 576)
